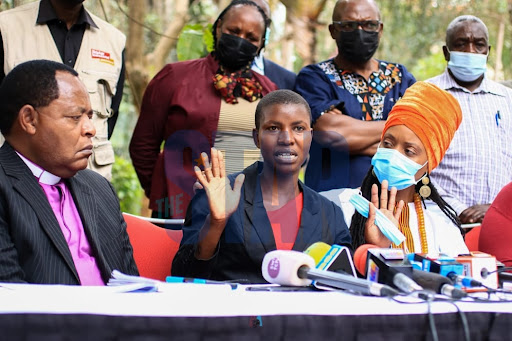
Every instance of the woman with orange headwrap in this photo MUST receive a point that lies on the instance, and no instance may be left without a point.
(417, 133)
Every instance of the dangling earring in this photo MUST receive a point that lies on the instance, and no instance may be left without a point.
(425, 190)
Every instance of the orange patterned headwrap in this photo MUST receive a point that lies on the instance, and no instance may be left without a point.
(432, 114)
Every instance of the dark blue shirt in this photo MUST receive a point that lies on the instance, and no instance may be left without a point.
(323, 85)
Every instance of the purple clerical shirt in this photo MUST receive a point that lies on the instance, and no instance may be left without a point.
(67, 215)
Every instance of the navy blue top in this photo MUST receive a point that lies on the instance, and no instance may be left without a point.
(248, 234)
(322, 87)
(283, 78)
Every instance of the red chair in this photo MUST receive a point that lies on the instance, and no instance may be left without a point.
(153, 247)
(472, 238)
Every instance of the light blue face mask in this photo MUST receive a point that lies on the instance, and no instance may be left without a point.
(467, 67)
(386, 226)
(398, 169)
(267, 35)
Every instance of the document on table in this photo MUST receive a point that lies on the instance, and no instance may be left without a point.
(128, 283)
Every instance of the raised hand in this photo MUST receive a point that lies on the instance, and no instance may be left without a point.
(386, 205)
(222, 199)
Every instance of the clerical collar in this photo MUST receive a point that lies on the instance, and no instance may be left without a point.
(42, 176)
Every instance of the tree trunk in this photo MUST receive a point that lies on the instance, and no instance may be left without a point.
(140, 68)
(157, 59)
(304, 37)
(498, 72)
(136, 70)
(302, 17)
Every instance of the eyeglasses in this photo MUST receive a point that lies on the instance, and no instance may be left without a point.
(349, 26)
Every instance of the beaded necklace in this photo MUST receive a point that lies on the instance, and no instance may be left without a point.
(403, 225)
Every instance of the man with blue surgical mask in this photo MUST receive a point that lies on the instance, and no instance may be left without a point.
(478, 163)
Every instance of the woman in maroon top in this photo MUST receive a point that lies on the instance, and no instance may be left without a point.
(183, 102)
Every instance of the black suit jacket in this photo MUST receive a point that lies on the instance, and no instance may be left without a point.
(248, 234)
(283, 78)
(32, 246)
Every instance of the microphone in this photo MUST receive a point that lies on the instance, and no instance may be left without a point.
(334, 258)
(317, 251)
(298, 269)
(463, 280)
(387, 266)
(361, 257)
(445, 266)
(437, 283)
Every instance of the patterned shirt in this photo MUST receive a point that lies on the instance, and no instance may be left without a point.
(324, 86)
(370, 93)
(478, 163)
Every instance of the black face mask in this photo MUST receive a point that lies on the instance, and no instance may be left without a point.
(358, 46)
(72, 3)
(234, 52)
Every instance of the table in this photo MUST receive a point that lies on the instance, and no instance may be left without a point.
(217, 312)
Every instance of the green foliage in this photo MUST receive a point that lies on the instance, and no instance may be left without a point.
(125, 124)
(127, 186)
(208, 38)
(195, 41)
(428, 67)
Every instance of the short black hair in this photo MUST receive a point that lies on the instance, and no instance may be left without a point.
(226, 10)
(33, 83)
(280, 97)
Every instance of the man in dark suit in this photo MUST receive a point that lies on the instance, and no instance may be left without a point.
(59, 223)
(283, 78)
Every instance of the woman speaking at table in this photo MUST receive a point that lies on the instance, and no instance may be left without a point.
(196, 104)
(231, 225)
(417, 134)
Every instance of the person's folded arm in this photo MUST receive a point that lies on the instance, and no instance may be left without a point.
(331, 128)
(149, 132)
(338, 131)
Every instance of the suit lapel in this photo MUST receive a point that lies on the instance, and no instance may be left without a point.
(85, 203)
(24, 182)
(258, 235)
(310, 228)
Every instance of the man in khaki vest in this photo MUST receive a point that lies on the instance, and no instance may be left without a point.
(64, 31)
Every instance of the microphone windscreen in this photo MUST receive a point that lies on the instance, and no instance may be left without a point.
(317, 251)
(282, 266)
(430, 280)
(360, 257)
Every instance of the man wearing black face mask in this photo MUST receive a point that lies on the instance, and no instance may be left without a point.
(350, 97)
(64, 31)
